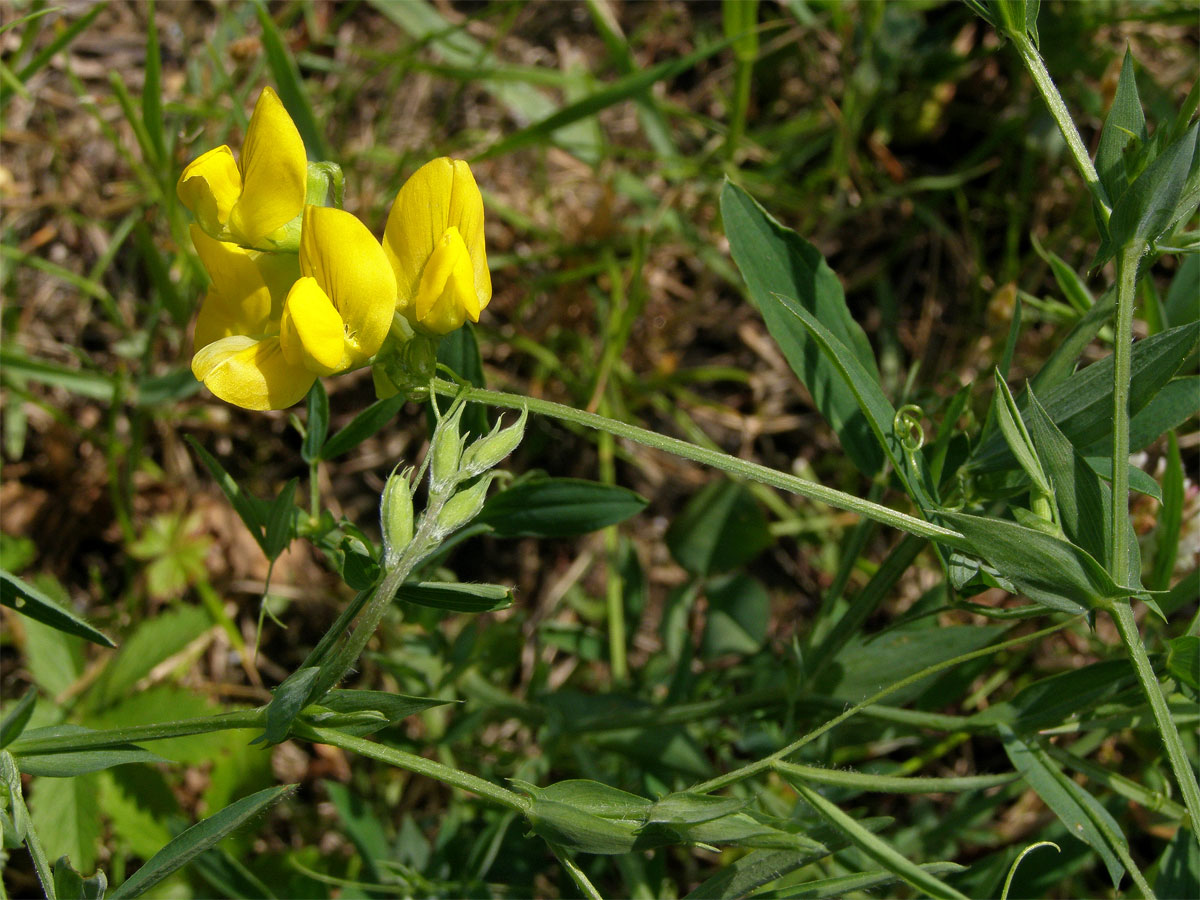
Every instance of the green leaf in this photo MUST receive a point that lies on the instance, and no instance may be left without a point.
(1081, 405)
(586, 816)
(844, 885)
(558, 507)
(18, 594)
(153, 641)
(1139, 480)
(1183, 660)
(1073, 287)
(70, 885)
(1183, 297)
(1183, 593)
(775, 261)
(1046, 569)
(66, 817)
(1083, 817)
(1174, 403)
(1052, 701)
(722, 528)
(1125, 122)
(152, 118)
(468, 598)
(80, 762)
(739, 612)
(691, 809)
(200, 837)
(281, 521)
(291, 88)
(362, 426)
(287, 700)
(317, 425)
(747, 873)
(1170, 519)
(1149, 206)
(874, 847)
(1179, 868)
(248, 508)
(1012, 426)
(347, 710)
(17, 718)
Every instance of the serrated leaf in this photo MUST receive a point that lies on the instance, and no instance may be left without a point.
(558, 507)
(362, 426)
(66, 816)
(1083, 817)
(722, 528)
(1047, 569)
(468, 598)
(18, 594)
(739, 612)
(195, 840)
(70, 885)
(774, 261)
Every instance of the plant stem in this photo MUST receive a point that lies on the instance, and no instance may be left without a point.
(1122, 613)
(1122, 355)
(577, 874)
(41, 863)
(723, 461)
(1062, 116)
(419, 765)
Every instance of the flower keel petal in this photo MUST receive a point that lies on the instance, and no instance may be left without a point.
(251, 373)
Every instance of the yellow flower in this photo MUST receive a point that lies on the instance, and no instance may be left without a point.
(434, 241)
(264, 355)
(252, 200)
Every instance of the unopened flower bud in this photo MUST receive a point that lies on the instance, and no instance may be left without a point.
(446, 452)
(464, 506)
(492, 449)
(396, 515)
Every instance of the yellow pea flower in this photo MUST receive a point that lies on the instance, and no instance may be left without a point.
(434, 242)
(251, 201)
(266, 355)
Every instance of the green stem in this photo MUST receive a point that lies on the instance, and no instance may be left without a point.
(418, 765)
(1062, 116)
(723, 461)
(577, 874)
(892, 784)
(41, 863)
(767, 762)
(1122, 613)
(1122, 356)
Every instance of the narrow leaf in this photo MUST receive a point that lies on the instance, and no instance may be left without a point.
(317, 426)
(362, 426)
(722, 528)
(286, 702)
(200, 837)
(1149, 205)
(17, 718)
(20, 595)
(558, 507)
(281, 521)
(244, 505)
(1125, 122)
(68, 765)
(468, 598)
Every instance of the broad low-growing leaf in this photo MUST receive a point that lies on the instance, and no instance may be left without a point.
(1083, 817)
(739, 612)
(1183, 660)
(558, 507)
(468, 598)
(1045, 568)
(722, 528)
(70, 885)
(18, 594)
(195, 840)
(775, 261)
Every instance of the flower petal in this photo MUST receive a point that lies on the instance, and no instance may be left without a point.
(240, 300)
(251, 373)
(311, 332)
(347, 262)
(446, 295)
(440, 194)
(209, 187)
(274, 170)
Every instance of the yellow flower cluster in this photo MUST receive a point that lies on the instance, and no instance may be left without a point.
(275, 320)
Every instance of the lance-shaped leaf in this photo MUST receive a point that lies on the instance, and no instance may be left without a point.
(18, 594)
(1125, 122)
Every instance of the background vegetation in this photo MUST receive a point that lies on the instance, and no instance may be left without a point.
(904, 140)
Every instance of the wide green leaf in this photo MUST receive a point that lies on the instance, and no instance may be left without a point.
(15, 593)
(739, 612)
(70, 885)
(775, 261)
(722, 528)
(558, 507)
(1183, 660)
(195, 840)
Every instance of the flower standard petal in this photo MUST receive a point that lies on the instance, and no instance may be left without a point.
(312, 333)
(251, 373)
(274, 171)
(209, 187)
(338, 251)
